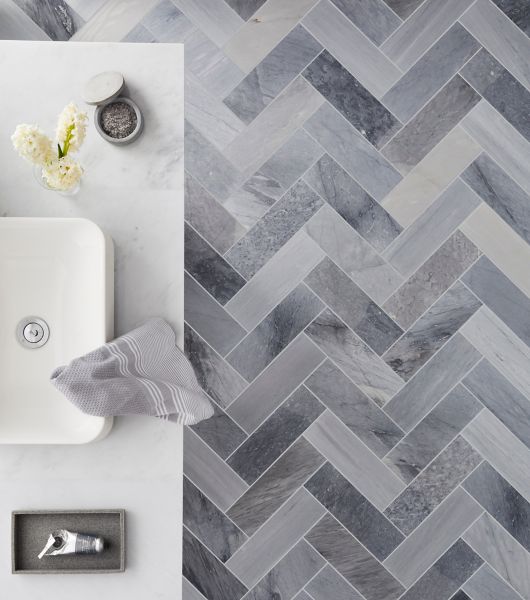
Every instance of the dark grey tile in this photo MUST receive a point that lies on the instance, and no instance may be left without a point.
(433, 485)
(432, 330)
(352, 561)
(293, 571)
(209, 524)
(352, 99)
(55, 17)
(215, 376)
(431, 72)
(433, 433)
(245, 8)
(275, 486)
(404, 8)
(431, 280)
(500, 89)
(500, 192)
(281, 222)
(502, 398)
(208, 574)
(278, 432)
(502, 501)
(373, 18)
(431, 124)
(460, 595)
(277, 330)
(354, 511)
(329, 584)
(518, 11)
(352, 203)
(209, 268)
(446, 575)
(220, 432)
(273, 74)
(354, 409)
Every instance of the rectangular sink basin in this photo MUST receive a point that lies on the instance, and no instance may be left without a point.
(57, 273)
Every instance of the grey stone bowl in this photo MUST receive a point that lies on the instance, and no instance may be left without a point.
(139, 121)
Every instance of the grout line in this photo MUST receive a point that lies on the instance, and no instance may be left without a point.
(195, 589)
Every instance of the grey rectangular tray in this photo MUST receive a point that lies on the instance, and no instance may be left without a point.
(30, 530)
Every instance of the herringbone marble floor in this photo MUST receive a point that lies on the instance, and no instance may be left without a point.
(357, 296)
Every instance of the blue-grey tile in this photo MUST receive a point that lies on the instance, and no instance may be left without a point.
(371, 119)
(209, 268)
(373, 18)
(431, 72)
(209, 524)
(354, 511)
(352, 203)
(353, 306)
(404, 8)
(139, 35)
(433, 433)
(245, 8)
(277, 330)
(274, 229)
(278, 432)
(272, 74)
(329, 584)
(220, 432)
(432, 330)
(486, 584)
(167, 23)
(518, 11)
(55, 17)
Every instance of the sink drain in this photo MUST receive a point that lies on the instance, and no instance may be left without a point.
(33, 332)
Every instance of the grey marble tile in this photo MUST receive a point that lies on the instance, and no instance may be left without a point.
(245, 8)
(55, 17)
(353, 306)
(430, 332)
(434, 121)
(352, 99)
(275, 332)
(502, 501)
(487, 585)
(273, 74)
(189, 591)
(437, 378)
(293, 571)
(431, 280)
(351, 150)
(352, 561)
(373, 18)
(460, 595)
(208, 574)
(329, 584)
(404, 8)
(518, 11)
(354, 511)
(447, 574)
(274, 230)
(367, 421)
(139, 35)
(433, 433)
(220, 432)
(421, 30)
(501, 398)
(371, 375)
(431, 72)
(166, 23)
(209, 524)
(275, 383)
(496, 546)
(302, 595)
(352, 203)
(432, 228)
(500, 192)
(209, 268)
(215, 18)
(15, 24)
(353, 254)
(433, 537)
(275, 435)
(432, 486)
(275, 486)
(288, 524)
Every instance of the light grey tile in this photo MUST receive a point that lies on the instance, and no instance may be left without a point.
(430, 384)
(349, 148)
(245, 8)
(165, 22)
(433, 537)
(369, 373)
(139, 35)
(329, 584)
(518, 11)
(487, 585)
(373, 18)
(367, 473)
(431, 72)
(220, 432)
(276, 536)
(357, 53)
(214, 17)
(302, 595)
(404, 8)
(428, 127)
(55, 17)
(431, 229)
(87, 8)
(417, 34)
(15, 24)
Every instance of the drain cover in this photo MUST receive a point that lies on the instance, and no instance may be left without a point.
(33, 332)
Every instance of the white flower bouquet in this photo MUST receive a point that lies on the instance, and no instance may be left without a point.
(59, 170)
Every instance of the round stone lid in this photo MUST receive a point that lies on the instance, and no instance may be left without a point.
(103, 86)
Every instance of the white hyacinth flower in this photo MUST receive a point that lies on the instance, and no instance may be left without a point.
(33, 144)
(71, 129)
(62, 173)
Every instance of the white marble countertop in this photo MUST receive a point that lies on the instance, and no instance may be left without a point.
(135, 194)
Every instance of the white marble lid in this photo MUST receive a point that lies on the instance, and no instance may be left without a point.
(103, 86)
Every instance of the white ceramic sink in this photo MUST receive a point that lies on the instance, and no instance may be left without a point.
(61, 271)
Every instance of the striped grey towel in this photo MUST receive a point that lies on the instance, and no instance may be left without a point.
(141, 373)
